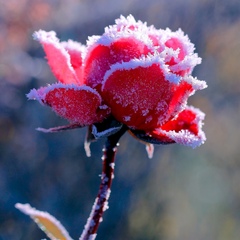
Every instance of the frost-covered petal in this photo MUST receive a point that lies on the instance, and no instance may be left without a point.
(58, 58)
(182, 92)
(110, 49)
(185, 129)
(80, 105)
(77, 53)
(185, 60)
(126, 23)
(141, 92)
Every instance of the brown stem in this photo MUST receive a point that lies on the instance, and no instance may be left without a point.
(101, 202)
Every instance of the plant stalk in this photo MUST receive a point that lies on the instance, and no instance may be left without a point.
(101, 202)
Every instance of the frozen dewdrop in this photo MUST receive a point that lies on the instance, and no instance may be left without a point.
(112, 165)
(105, 207)
(101, 219)
(112, 176)
(104, 149)
(118, 144)
(103, 158)
(114, 149)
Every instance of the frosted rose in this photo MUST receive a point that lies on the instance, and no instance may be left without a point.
(134, 75)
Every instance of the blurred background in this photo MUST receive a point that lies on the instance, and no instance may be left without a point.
(180, 194)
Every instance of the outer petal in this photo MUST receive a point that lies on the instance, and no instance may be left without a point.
(80, 105)
(143, 94)
(58, 58)
(186, 129)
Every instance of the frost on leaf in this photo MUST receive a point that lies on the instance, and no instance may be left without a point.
(50, 225)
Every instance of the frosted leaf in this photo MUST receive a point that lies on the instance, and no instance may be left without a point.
(59, 128)
(105, 133)
(107, 127)
(50, 225)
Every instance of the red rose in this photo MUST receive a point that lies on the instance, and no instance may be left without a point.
(134, 75)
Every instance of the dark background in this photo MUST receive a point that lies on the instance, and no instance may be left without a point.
(180, 194)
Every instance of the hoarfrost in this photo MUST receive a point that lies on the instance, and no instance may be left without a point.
(112, 165)
(126, 118)
(106, 132)
(36, 215)
(92, 236)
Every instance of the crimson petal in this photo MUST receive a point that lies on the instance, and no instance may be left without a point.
(140, 92)
(186, 129)
(80, 105)
(106, 52)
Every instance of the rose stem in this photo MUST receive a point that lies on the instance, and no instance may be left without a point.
(101, 202)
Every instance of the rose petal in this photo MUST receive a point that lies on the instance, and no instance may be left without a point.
(176, 44)
(80, 105)
(186, 129)
(185, 60)
(141, 93)
(58, 58)
(108, 51)
(145, 137)
(77, 53)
